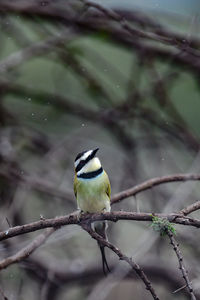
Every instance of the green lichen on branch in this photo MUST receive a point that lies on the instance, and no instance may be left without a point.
(162, 225)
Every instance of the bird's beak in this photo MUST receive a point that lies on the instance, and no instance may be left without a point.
(95, 151)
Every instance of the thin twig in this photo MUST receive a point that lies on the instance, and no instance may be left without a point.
(179, 289)
(189, 209)
(123, 257)
(26, 251)
(181, 264)
(126, 34)
(136, 33)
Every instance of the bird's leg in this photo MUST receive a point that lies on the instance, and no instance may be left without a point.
(78, 213)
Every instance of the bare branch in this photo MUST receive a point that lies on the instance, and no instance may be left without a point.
(181, 264)
(126, 34)
(123, 257)
(153, 182)
(136, 33)
(189, 209)
(26, 251)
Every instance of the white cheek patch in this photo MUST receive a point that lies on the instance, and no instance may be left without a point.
(83, 157)
(77, 162)
(94, 164)
(82, 170)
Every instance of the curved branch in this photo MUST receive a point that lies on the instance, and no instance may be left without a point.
(135, 33)
(153, 182)
(26, 251)
(123, 257)
(189, 209)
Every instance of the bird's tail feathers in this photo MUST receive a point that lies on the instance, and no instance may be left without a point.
(100, 228)
(105, 266)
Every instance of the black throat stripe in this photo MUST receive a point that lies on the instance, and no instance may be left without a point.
(90, 175)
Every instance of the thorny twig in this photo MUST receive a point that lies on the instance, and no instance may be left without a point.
(123, 257)
(181, 264)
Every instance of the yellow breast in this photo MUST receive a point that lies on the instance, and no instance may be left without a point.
(93, 195)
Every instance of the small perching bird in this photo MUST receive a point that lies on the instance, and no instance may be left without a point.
(92, 190)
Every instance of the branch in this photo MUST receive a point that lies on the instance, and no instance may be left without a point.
(181, 264)
(78, 219)
(156, 36)
(145, 22)
(136, 33)
(189, 209)
(153, 182)
(125, 34)
(123, 257)
(26, 251)
(37, 49)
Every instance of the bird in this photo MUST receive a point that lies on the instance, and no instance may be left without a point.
(92, 190)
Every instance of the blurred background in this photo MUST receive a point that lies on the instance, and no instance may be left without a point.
(74, 77)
